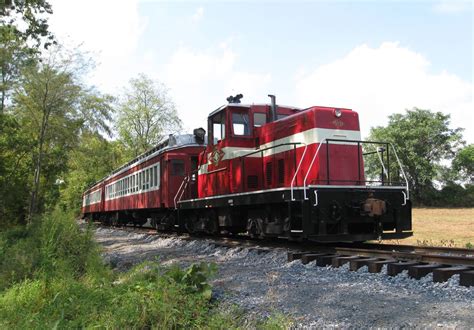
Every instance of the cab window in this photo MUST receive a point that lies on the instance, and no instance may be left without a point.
(240, 123)
(218, 127)
(259, 119)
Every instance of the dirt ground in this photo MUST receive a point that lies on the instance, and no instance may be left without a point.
(442, 227)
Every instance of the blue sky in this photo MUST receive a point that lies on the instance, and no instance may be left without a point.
(279, 36)
(375, 57)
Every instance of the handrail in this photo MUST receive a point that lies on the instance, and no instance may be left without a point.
(383, 166)
(297, 170)
(179, 189)
(183, 191)
(326, 141)
(282, 145)
(310, 166)
(272, 147)
(401, 168)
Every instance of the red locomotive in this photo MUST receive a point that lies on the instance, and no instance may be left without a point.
(267, 170)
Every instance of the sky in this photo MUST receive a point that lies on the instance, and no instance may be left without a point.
(377, 58)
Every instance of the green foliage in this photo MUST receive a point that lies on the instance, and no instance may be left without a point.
(51, 275)
(145, 299)
(195, 278)
(146, 114)
(452, 195)
(15, 170)
(14, 56)
(463, 164)
(33, 14)
(423, 139)
(91, 160)
(52, 111)
(53, 246)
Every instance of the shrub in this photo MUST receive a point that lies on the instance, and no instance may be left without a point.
(52, 276)
(54, 246)
(145, 297)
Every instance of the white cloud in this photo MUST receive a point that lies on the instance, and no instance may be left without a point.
(377, 82)
(109, 29)
(200, 81)
(198, 14)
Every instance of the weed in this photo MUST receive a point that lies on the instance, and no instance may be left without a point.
(52, 276)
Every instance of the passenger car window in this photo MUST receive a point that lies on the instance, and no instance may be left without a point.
(240, 123)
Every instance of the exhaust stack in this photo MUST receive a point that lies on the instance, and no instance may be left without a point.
(273, 108)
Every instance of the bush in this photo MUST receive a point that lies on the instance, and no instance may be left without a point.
(146, 296)
(452, 195)
(52, 276)
(54, 246)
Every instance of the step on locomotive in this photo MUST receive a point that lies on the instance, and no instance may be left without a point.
(265, 170)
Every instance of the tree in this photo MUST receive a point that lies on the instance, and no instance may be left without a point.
(423, 140)
(28, 20)
(146, 114)
(53, 107)
(463, 164)
(92, 159)
(14, 55)
(15, 166)
(23, 29)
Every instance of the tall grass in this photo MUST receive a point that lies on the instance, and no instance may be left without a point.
(53, 246)
(52, 276)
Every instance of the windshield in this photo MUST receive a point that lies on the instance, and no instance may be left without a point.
(240, 123)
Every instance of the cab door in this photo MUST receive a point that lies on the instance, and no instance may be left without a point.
(217, 178)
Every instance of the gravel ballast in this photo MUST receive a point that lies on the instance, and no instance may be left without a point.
(264, 283)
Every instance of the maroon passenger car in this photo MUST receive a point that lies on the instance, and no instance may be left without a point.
(144, 187)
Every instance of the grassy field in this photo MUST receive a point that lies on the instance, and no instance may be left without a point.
(442, 227)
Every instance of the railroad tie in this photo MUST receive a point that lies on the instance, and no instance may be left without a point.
(420, 271)
(308, 257)
(325, 260)
(338, 261)
(443, 274)
(467, 278)
(376, 266)
(358, 263)
(395, 268)
(292, 256)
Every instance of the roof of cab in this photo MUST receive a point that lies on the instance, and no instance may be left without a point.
(248, 106)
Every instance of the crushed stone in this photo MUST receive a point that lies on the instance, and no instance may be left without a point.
(263, 284)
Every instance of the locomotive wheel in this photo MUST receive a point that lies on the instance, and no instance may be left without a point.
(189, 224)
(212, 227)
(254, 228)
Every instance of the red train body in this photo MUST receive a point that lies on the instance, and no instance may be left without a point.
(266, 170)
(234, 164)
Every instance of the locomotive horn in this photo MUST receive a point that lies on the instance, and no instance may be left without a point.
(273, 107)
(234, 99)
(199, 134)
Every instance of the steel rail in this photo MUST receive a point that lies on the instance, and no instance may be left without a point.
(402, 256)
(422, 254)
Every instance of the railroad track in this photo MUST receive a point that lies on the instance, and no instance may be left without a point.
(418, 261)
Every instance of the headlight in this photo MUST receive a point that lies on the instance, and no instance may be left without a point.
(337, 113)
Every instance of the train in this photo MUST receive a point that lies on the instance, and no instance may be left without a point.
(263, 170)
